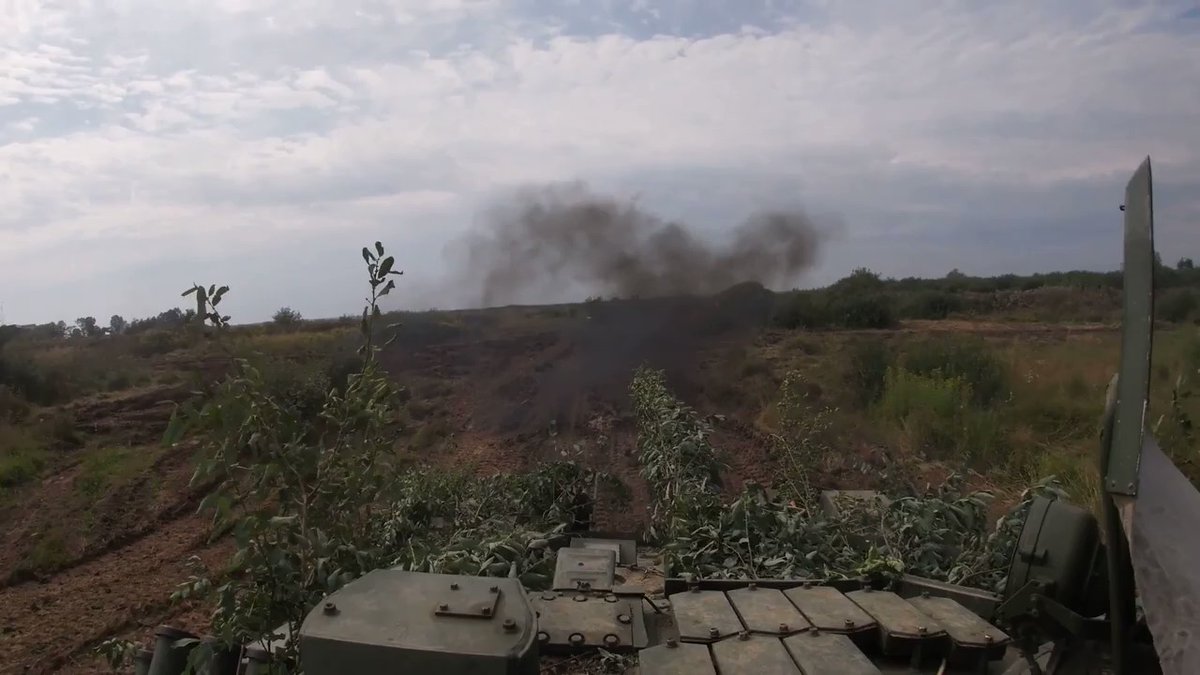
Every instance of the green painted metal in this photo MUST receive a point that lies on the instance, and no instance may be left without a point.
(1137, 332)
(822, 653)
(141, 662)
(172, 647)
(1121, 599)
(391, 621)
(1059, 546)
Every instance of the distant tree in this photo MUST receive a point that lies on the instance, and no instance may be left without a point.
(286, 316)
(860, 280)
(955, 280)
(117, 324)
(1184, 264)
(86, 326)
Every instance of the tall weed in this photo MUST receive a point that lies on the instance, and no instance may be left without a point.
(935, 416)
(968, 359)
(868, 365)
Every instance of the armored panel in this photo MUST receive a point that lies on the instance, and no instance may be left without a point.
(828, 609)
(704, 615)
(572, 621)
(676, 658)
(820, 653)
(397, 621)
(584, 569)
(1137, 336)
(626, 549)
(767, 610)
(902, 627)
(753, 654)
(979, 601)
(1165, 550)
(972, 638)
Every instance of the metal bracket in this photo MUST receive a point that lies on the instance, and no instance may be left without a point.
(468, 603)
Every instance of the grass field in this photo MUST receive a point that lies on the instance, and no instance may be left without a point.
(946, 380)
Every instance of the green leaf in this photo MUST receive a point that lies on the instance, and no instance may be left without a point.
(366, 253)
(175, 428)
(386, 265)
(387, 289)
(189, 291)
(379, 247)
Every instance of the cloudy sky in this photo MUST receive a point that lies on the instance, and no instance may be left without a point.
(147, 144)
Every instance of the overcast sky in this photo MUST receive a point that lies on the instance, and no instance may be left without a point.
(147, 144)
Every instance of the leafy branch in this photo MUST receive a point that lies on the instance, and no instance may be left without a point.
(779, 533)
(206, 303)
(299, 495)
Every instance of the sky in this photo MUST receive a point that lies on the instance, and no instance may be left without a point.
(149, 144)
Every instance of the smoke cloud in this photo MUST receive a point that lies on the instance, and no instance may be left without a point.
(549, 236)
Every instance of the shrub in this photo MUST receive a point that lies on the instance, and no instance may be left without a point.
(861, 281)
(966, 358)
(21, 456)
(862, 311)
(286, 316)
(820, 309)
(932, 305)
(60, 428)
(34, 383)
(935, 415)
(430, 434)
(341, 368)
(801, 309)
(868, 365)
(13, 407)
(160, 341)
(118, 381)
(299, 387)
(1177, 305)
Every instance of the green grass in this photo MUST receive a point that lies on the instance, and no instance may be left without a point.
(49, 553)
(22, 456)
(934, 415)
(107, 467)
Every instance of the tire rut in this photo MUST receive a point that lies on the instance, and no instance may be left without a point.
(44, 624)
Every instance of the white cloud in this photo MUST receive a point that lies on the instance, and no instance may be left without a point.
(131, 127)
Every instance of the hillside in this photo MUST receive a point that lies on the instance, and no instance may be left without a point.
(906, 383)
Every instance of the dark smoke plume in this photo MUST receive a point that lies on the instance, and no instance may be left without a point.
(562, 234)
